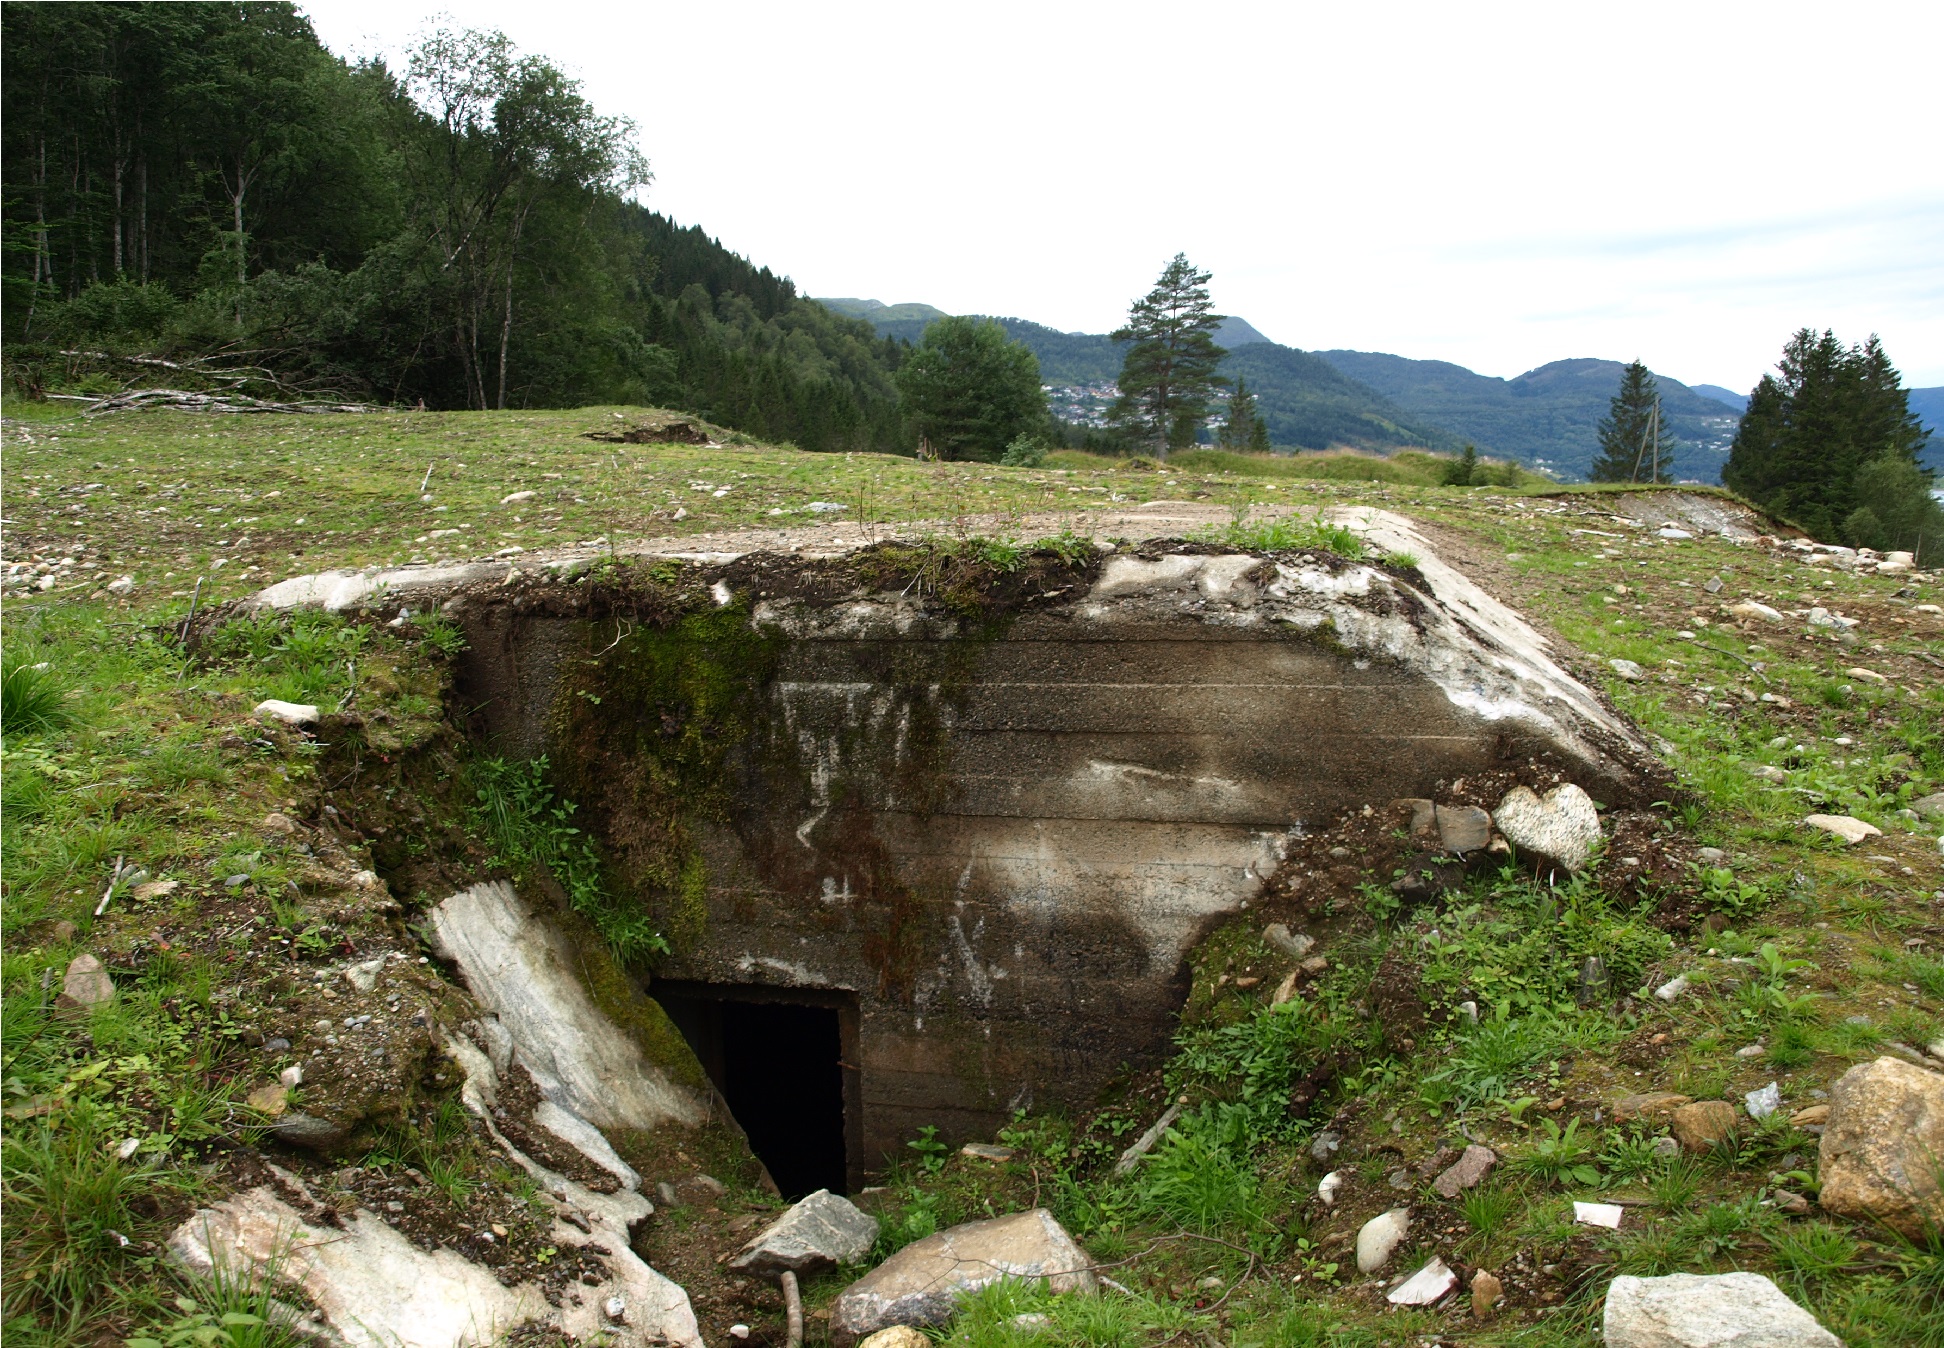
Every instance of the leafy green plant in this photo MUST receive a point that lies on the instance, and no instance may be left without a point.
(1248, 1066)
(1718, 1228)
(1561, 1155)
(931, 1152)
(917, 1215)
(197, 1328)
(1791, 1045)
(1289, 534)
(1631, 1157)
(1486, 1061)
(1380, 901)
(1487, 1209)
(1723, 892)
(303, 655)
(70, 1209)
(529, 827)
(1201, 1176)
(442, 634)
(32, 702)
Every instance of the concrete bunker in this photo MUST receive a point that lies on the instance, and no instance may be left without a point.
(978, 820)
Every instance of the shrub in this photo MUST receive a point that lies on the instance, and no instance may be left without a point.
(32, 702)
(1025, 451)
(1463, 470)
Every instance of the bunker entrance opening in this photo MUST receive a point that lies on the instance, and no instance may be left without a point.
(782, 1060)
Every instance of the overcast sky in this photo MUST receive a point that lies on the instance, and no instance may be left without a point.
(1497, 185)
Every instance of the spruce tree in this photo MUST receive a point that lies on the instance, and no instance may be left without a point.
(1631, 450)
(1168, 375)
(1259, 435)
(1812, 427)
(1244, 428)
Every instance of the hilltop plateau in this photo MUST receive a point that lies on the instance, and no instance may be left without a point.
(287, 696)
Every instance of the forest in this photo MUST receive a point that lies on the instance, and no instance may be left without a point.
(207, 183)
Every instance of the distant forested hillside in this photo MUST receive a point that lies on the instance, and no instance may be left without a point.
(1928, 404)
(1548, 417)
(206, 181)
(1726, 396)
(1307, 403)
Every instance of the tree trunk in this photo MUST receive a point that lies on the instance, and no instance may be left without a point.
(121, 172)
(506, 326)
(242, 185)
(43, 261)
(141, 211)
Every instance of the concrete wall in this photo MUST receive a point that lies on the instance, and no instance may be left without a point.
(1006, 841)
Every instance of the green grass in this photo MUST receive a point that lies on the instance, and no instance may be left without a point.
(141, 754)
(32, 702)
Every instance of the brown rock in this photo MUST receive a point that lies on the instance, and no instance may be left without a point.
(1487, 1292)
(1652, 1104)
(87, 983)
(1704, 1125)
(1810, 1116)
(1436, 1162)
(154, 889)
(1469, 1170)
(1463, 828)
(62, 931)
(1424, 817)
(271, 1099)
(1883, 1144)
(278, 822)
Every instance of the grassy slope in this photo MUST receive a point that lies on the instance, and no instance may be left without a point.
(162, 765)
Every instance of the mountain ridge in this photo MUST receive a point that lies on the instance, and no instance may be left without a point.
(1547, 417)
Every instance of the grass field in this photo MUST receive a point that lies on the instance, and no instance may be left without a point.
(120, 748)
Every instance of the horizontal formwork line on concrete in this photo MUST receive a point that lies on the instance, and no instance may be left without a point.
(997, 685)
(1190, 633)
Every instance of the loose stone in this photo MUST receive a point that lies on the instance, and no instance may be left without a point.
(1379, 1238)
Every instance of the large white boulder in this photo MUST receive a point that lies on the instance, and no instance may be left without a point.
(1378, 1239)
(1717, 1310)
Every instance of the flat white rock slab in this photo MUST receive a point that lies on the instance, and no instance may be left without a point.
(378, 1290)
(1719, 1310)
(522, 970)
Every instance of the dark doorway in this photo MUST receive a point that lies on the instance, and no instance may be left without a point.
(780, 1067)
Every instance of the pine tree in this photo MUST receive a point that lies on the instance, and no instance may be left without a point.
(1244, 429)
(1635, 445)
(1168, 375)
(1808, 433)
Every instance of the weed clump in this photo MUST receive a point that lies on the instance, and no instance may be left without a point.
(530, 827)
